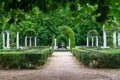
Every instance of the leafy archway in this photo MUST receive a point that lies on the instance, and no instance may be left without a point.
(92, 33)
(60, 37)
(30, 32)
(68, 31)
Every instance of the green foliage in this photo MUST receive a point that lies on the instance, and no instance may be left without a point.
(68, 31)
(48, 25)
(102, 10)
(52, 5)
(13, 45)
(98, 58)
(60, 37)
(44, 16)
(30, 32)
(24, 59)
(92, 33)
(110, 38)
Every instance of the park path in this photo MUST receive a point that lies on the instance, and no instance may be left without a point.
(61, 66)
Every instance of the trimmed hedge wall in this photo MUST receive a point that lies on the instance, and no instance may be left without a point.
(97, 58)
(26, 59)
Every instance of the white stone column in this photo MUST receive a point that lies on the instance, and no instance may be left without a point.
(35, 41)
(118, 39)
(96, 40)
(55, 47)
(92, 41)
(17, 40)
(87, 41)
(104, 38)
(69, 43)
(30, 42)
(114, 38)
(8, 39)
(3, 37)
(25, 41)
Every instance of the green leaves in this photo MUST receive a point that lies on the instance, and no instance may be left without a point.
(92, 33)
(69, 32)
(44, 16)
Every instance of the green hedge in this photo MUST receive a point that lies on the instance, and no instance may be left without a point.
(37, 47)
(97, 58)
(26, 59)
(68, 31)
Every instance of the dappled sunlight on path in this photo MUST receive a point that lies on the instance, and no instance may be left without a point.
(61, 66)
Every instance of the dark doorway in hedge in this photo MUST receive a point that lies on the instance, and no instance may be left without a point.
(62, 41)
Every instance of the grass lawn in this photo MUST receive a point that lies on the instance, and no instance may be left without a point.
(111, 50)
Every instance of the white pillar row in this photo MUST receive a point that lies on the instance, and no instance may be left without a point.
(118, 39)
(104, 38)
(35, 41)
(30, 43)
(96, 40)
(17, 40)
(55, 47)
(92, 41)
(3, 37)
(114, 38)
(69, 43)
(8, 39)
(87, 41)
(25, 41)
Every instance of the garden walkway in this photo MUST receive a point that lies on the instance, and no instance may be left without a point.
(61, 66)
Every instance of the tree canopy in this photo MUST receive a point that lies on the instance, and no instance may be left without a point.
(103, 6)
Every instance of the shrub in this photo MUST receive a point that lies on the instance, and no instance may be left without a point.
(38, 47)
(25, 59)
(98, 58)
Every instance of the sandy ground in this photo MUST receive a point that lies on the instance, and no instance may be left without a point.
(61, 66)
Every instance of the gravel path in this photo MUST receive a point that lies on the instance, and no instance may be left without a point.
(61, 66)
